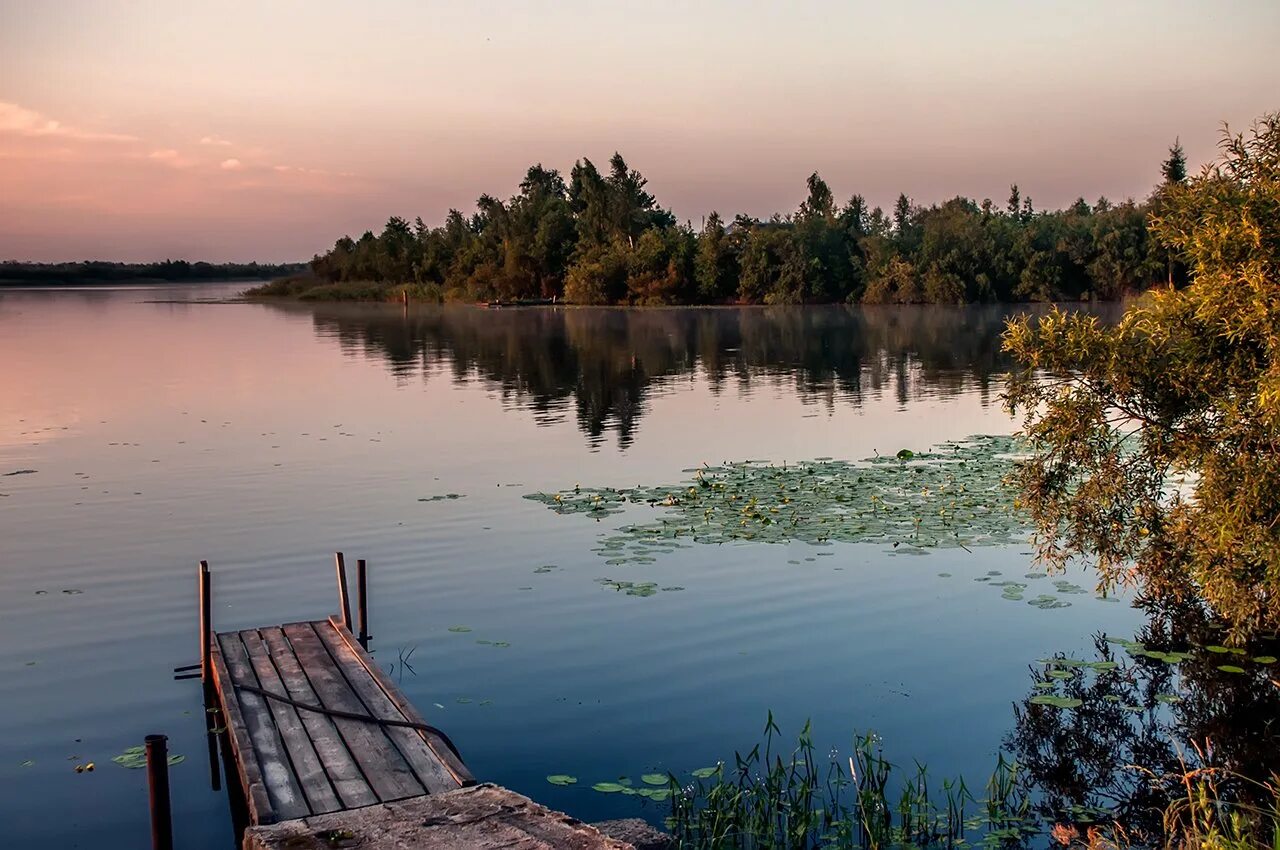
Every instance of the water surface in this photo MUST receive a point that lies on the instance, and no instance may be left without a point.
(163, 427)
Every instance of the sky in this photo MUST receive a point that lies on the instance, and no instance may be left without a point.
(263, 130)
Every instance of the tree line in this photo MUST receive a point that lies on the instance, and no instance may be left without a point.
(602, 238)
(176, 271)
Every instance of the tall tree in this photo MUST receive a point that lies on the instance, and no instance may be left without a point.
(1174, 169)
(1153, 443)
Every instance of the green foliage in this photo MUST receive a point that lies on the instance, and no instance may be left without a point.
(1155, 441)
(602, 238)
(791, 799)
(177, 271)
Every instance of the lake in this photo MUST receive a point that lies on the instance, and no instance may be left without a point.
(162, 426)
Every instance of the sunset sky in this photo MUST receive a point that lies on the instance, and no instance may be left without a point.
(264, 130)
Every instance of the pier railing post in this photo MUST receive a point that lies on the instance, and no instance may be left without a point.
(344, 600)
(158, 785)
(206, 624)
(362, 602)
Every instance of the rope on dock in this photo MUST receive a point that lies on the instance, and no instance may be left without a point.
(350, 715)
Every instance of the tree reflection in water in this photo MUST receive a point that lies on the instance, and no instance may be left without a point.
(603, 364)
(1122, 754)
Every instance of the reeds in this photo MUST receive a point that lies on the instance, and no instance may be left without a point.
(790, 800)
(769, 799)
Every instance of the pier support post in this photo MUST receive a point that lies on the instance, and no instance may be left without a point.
(344, 600)
(362, 602)
(158, 785)
(206, 624)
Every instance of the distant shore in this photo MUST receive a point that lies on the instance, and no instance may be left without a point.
(100, 273)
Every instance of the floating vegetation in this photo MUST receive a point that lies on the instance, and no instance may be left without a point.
(459, 629)
(135, 758)
(447, 497)
(608, 787)
(562, 779)
(636, 588)
(20, 472)
(545, 568)
(1055, 701)
(952, 497)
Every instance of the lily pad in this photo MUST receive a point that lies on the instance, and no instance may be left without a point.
(950, 497)
(1055, 701)
(608, 787)
(654, 779)
(1230, 668)
(135, 758)
(704, 772)
(562, 779)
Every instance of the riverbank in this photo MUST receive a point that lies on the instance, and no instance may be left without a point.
(304, 287)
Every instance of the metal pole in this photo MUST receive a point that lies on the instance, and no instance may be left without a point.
(344, 601)
(158, 783)
(206, 623)
(362, 602)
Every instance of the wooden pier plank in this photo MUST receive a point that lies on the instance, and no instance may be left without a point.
(349, 783)
(417, 752)
(452, 763)
(287, 799)
(307, 767)
(247, 764)
(381, 762)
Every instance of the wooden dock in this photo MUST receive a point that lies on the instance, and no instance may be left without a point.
(316, 726)
(329, 752)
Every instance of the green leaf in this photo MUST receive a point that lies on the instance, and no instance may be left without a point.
(608, 787)
(654, 779)
(1056, 702)
(562, 779)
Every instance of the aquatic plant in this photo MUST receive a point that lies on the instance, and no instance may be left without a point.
(768, 799)
(913, 502)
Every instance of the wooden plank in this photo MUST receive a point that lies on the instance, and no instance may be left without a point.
(255, 788)
(307, 767)
(382, 764)
(425, 763)
(452, 763)
(352, 788)
(277, 773)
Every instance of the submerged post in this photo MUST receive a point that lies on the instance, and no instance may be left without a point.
(362, 602)
(344, 601)
(206, 625)
(158, 785)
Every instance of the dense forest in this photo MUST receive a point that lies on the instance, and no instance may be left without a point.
(176, 271)
(602, 238)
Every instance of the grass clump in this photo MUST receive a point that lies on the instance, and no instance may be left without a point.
(308, 287)
(790, 800)
(771, 799)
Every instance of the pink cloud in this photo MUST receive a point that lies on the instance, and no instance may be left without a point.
(232, 165)
(215, 141)
(27, 122)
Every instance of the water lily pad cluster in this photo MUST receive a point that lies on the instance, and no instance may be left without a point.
(636, 588)
(952, 496)
(135, 758)
(654, 786)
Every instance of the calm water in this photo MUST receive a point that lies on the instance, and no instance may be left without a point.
(163, 430)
